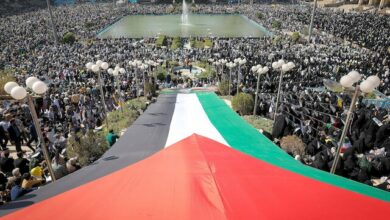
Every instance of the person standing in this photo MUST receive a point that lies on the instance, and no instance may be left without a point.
(15, 135)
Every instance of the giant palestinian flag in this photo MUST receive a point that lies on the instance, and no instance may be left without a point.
(189, 156)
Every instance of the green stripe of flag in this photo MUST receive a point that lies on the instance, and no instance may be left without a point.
(243, 137)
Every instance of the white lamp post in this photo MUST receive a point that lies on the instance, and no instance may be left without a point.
(217, 63)
(239, 62)
(17, 92)
(230, 65)
(96, 68)
(222, 63)
(211, 60)
(282, 67)
(366, 86)
(260, 71)
(116, 73)
(136, 64)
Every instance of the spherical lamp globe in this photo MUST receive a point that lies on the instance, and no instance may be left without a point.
(367, 86)
(346, 81)
(104, 65)
(95, 68)
(30, 81)
(354, 76)
(89, 65)
(375, 79)
(9, 86)
(99, 62)
(18, 93)
(39, 87)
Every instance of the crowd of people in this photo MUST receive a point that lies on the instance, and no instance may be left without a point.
(342, 42)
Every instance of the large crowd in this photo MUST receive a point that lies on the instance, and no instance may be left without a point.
(343, 42)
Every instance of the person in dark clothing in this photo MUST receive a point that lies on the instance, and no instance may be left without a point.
(3, 138)
(33, 137)
(279, 126)
(15, 135)
(22, 163)
(6, 163)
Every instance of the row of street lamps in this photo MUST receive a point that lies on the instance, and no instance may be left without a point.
(37, 87)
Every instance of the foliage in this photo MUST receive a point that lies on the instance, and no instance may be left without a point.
(139, 103)
(243, 103)
(208, 42)
(176, 43)
(92, 145)
(161, 76)
(293, 144)
(150, 89)
(223, 88)
(295, 37)
(276, 24)
(206, 74)
(259, 122)
(5, 76)
(277, 40)
(161, 41)
(87, 148)
(69, 38)
(260, 15)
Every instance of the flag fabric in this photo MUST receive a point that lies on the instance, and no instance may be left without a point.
(189, 156)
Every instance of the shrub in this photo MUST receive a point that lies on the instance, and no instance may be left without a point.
(69, 38)
(243, 103)
(208, 42)
(87, 148)
(277, 40)
(295, 37)
(176, 43)
(276, 24)
(293, 144)
(223, 88)
(150, 89)
(260, 15)
(161, 41)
